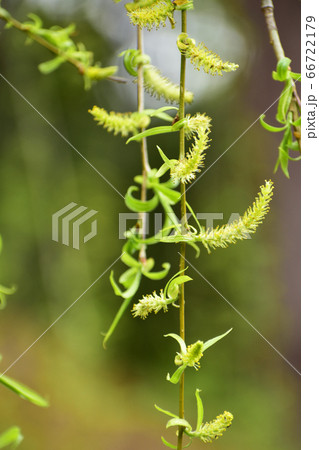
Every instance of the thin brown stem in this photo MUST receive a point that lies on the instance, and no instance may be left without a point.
(184, 225)
(268, 9)
(144, 154)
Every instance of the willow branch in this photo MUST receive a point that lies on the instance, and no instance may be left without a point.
(267, 7)
(144, 154)
(52, 48)
(184, 225)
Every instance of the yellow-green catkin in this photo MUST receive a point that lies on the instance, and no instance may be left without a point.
(150, 303)
(161, 87)
(185, 169)
(213, 430)
(153, 16)
(192, 355)
(120, 123)
(245, 225)
(201, 57)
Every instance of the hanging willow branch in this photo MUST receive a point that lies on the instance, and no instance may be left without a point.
(289, 94)
(58, 41)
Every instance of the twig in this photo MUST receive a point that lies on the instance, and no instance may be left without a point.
(268, 9)
(184, 224)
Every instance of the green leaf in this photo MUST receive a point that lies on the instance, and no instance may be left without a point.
(200, 410)
(8, 291)
(176, 375)
(213, 341)
(173, 287)
(158, 275)
(160, 113)
(168, 161)
(297, 123)
(12, 437)
(138, 205)
(295, 76)
(178, 422)
(36, 19)
(179, 340)
(127, 277)
(283, 69)
(270, 127)
(128, 260)
(284, 159)
(294, 146)
(131, 291)
(129, 56)
(165, 442)
(162, 170)
(158, 130)
(116, 320)
(171, 195)
(117, 290)
(168, 413)
(23, 391)
(49, 66)
(284, 102)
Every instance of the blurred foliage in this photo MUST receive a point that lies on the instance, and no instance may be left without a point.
(93, 392)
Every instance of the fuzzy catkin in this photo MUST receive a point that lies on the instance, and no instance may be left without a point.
(215, 429)
(119, 123)
(201, 57)
(186, 168)
(161, 87)
(240, 229)
(154, 15)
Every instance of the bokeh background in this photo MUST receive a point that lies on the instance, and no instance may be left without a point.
(104, 399)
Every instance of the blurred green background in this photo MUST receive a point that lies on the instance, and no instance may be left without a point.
(104, 399)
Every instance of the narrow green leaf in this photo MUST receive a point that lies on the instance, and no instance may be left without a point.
(138, 205)
(176, 375)
(128, 60)
(295, 76)
(160, 113)
(164, 157)
(200, 410)
(12, 436)
(162, 170)
(157, 130)
(49, 66)
(117, 290)
(116, 320)
(193, 215)
(297, 123)
(283, 69)
(173, 287)
(129, 261)
(127, 277)
(23, 391)
(284, 102)
(8, 291)
(270, 127)
(165, 442)
(170, 194)
(178, 422)
(179, 340)
(283, 158)
(213, 341)
(158, 275)
(294, 146)
(168, 413)
(131, 291)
